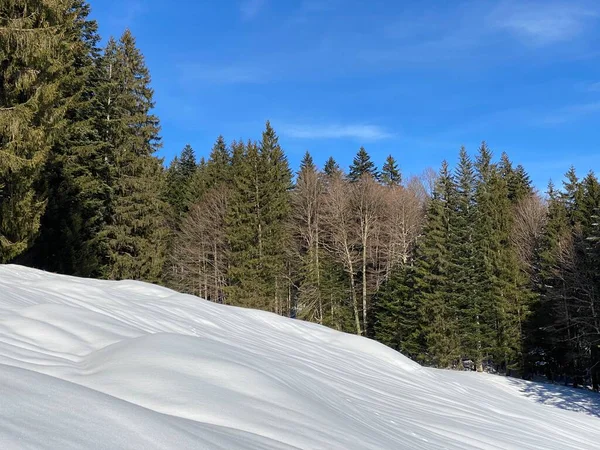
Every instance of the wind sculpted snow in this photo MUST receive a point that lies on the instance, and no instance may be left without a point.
(100, 364)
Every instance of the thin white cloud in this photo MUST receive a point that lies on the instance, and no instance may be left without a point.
(249, 9)
(357, 131)
(542, 23)
(594, 87)
(571, 113)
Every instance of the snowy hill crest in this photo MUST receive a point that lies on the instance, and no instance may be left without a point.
(99, 364)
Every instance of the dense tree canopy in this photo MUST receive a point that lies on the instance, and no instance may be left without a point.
(470, 268)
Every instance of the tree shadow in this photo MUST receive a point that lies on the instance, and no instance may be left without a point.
(562, 397)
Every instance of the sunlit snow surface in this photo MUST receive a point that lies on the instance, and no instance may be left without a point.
(98, 364)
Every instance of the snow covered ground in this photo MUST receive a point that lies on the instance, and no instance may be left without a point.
(99, 364)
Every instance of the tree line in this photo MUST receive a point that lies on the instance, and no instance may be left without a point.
(468, 268)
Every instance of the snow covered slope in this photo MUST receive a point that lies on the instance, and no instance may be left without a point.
(98, 364)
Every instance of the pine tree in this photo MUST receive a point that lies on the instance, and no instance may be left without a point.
(135, 234)
(361, 166)
(390, 174)
(36, 50)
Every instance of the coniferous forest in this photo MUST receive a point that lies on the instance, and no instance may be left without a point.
(468, 268)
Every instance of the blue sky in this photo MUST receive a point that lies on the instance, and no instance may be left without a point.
(414, 79)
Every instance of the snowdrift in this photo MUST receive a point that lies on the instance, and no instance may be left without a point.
(100, 364)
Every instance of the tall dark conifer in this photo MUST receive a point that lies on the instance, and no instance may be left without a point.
(505, 299)
(218, 167)
(361, 166)
(398, 315)
(257, 229)
(464, 265)
(331, 167)
(390, 174)
(433, 283)
(135, 234)
(179, 177)
(73, 173)
(36, 53)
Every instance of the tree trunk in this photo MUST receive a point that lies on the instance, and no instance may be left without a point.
(364, 283)
(354, 301)
(318, 269)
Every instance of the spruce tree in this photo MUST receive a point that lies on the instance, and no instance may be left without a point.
(256, 225)
(554, 332)
(278, 184)
(331, 167)
(135, 234)
(390, 174)
(433, 283)
(307, 163)
(179, 177)
(219, 164)
(398, 318)
(361, 166)
(504, 296)
(36, 50)
(73, 172)
(464, 265)
(517, 180)
(245, 232)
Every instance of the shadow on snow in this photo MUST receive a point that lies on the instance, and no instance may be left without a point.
(563, 397)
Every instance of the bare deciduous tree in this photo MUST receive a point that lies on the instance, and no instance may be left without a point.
(306, 222)
(528, 226)
(200, 249)
(404, 214)
(368, 204)
(343, 238)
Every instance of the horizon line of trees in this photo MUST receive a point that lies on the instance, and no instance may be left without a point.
(466, 268)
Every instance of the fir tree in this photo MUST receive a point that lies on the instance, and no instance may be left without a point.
(36, 50)
(275, 214)
(73, 172)
(135, 234)
(245, 232)
(552, 322)
(398, 319)
(464, 265)
(307, 163)
(504, 296)
(179, 177)
(361, 166)
(256, 225)
(390, 174)
(433, 284)
(219, 164)
(517, 180)
(331, 167)
(187, 161)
